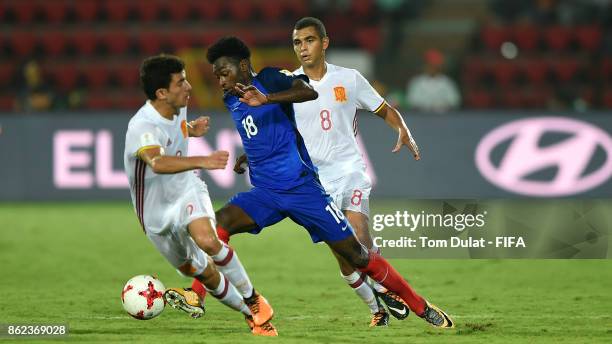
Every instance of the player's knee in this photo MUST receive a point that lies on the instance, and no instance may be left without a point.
(361, 261)
(362, 257)
(357, 260)
(209, 244)
(352, 252)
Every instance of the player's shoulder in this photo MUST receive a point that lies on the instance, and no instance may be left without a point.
(348, 76)
(141, 118)
(343, 71)
(276, 79)
(273, 71)
(267, 71)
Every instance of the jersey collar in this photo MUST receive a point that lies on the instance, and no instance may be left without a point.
(156, 116)
(328, 68)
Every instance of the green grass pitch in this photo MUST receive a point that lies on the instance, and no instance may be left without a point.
(67, 263)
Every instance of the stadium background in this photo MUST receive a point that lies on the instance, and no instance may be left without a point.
(72, 66)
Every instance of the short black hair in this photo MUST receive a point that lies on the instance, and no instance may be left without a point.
(314, 22)
(231, 47)
(156, 72)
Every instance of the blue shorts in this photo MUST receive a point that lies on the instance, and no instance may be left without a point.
(307, 205)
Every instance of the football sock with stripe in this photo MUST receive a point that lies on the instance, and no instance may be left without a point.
(382, 272)
(356, 281)
(228, 263)
(227, 294)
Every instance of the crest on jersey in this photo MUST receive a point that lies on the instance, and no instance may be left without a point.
(184, 128)
(286, 72)
(340, 93)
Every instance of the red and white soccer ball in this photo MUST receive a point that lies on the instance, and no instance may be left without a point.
(142, 297)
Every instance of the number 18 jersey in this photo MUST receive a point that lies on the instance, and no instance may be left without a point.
(328, 124)
(276, 153)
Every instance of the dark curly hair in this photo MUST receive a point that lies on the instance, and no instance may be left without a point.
(156, 72)
(231, 47)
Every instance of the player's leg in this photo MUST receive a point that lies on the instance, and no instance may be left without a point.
(178, 248)
(217, 284)
(359, 221)
(356, 280)
(227, 261)
(205, 236)
(220, 288)
(377, 268)
(182, 252)
(251, 211)
(236, 221)
(354, 200)
(231, 220)
(346, 196)
(188, 260)
(311, 207)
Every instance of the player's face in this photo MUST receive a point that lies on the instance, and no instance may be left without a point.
(309, 47)
(178, 91)
(228, 73)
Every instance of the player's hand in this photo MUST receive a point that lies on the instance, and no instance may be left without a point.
(250, 95)
(199, 126)
(238, 164)
(215, 161)
(405, 139)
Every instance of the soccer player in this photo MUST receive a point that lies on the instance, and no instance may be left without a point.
(172, 203)
(329, 128)
(284, 178)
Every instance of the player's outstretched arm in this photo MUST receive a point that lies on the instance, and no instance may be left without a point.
(163, 164)
(393, 118)
(299, 92)
(199, 126)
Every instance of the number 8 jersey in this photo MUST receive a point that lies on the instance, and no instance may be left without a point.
(328, 124)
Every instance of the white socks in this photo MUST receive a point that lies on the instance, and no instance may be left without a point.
(362, 289)
(228, 263)
(227, 294)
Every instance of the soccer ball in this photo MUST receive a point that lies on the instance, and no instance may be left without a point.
(142, 297)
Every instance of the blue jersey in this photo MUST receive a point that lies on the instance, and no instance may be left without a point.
(276, 153)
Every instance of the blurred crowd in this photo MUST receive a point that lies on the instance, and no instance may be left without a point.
(523, 54)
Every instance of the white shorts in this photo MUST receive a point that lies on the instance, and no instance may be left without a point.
(351, 192)
(173, 241)
(175, 214)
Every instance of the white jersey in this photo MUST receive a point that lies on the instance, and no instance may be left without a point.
(328, 124)
(161, 201)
